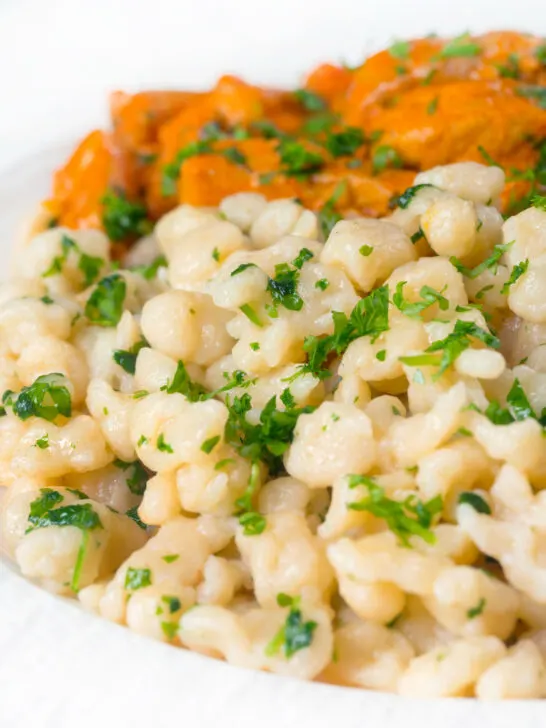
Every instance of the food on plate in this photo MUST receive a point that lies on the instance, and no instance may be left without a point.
(300, 441)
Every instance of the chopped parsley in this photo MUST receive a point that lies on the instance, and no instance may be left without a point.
(89, 265)
(400, 50)
(365, 250)
(253, 523)
(173, 603)
(432, 107)
(535, 93)
(42, 442)
(328, 215)
(517, 271)
(251, 314)
(407, 196)
(127, 358)
(171, 171)
(137, 578)
(370, 317)
(303, 256)
(460, 47)
(132, 513)
(209, 445)
(170, 558)
(451, 347)
(384, 157)
(410, 517)
(266, 441)
(149, 272)
(322, 284)
(310, 100)
(295, 634)
(475, 501)
(254, 345)
(381, 355)
(284, 287)
(122, 218)
(490, 263)
(477, 610)
(137, 475)
(344, 143)
(242, 267)
(429, 296)
(298, 161)
(47, 398)
(511, 68)
(163, 446)
(104, 306)
(182, 383)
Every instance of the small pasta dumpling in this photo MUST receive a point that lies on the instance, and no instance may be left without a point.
(471, 181)
(53, 450)
(167, 431)
(57, 256)
(379, 361)
(280, 218)
(412, 438)
(199, 253)
(47, 354)
(112, 411)
(23, 320)
(451, 670)
(286, 558)
(80, 549)
(450, 226)
(519, 675)
(168, 563)
(369, 655)
(368, 251)
(171, 228)
(526, 235)
(468, 602)
(254, 639)
(185, 325)
(526, 295)
(243, 208)
(334, 440)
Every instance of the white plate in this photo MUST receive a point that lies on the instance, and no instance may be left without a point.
(58, 665)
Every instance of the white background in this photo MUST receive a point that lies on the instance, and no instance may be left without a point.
(58, 59)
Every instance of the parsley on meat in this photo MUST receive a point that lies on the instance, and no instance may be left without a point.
(400, 50)
(122, 218)
(384, 157)
(295, 634)
(410, 517)
(297, 161)
(310, 100)
(344, 143)
(328, 215)
(104, 306)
